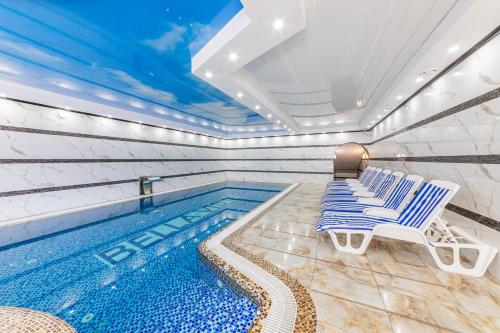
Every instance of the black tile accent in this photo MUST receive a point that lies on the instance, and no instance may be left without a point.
(125, 181)
(114, 138)
(495, 93)
(484, 220)
(62, 188)
(138, 160)
(471, 159)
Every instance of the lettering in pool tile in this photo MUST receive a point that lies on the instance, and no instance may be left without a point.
(117, 253)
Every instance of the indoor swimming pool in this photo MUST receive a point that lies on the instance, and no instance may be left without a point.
(137, 271)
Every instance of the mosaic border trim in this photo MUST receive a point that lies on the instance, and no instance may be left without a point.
(14, 319)
(305, 320)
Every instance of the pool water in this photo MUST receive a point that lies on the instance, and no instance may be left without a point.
(138, 271)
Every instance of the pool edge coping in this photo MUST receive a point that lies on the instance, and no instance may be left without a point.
(261, 280)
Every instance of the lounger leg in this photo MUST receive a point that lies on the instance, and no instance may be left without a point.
(367, 236)
(485, 256)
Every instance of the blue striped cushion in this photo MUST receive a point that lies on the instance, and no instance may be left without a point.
(350, 222)
(415, 215)
(393, 202)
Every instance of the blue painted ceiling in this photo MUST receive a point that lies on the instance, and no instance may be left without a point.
(129, 54)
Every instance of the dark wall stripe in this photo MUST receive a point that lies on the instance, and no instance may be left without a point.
(115, 138)
(495, 93)
(126, 181)
(471, 159)
(62, 188)
(484, 220)
(138, 160)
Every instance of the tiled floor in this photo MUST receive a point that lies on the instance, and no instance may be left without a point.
(394, 287)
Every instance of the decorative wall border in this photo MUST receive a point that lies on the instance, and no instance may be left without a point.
(127, 181)
(468, 159)
(488, 96)
(484, 220)
(140, 160)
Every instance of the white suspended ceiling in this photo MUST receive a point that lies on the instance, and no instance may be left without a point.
(330, 65)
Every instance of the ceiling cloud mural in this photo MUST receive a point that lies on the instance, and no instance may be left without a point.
(119, 53)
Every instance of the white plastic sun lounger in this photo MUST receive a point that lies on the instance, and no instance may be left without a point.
(398, 198)
(370, 176)
(412, 226)
(347, 181)
(359, 191)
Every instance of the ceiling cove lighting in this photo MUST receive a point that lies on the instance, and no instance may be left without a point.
(278, 25)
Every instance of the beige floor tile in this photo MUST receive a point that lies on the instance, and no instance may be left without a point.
(327, 252)
(413, 288)
(406, 325)
(327, 328)
(301, 229)
(405, 282)
(346, 282)
(350, 316)
(299, 267)
(393, 258)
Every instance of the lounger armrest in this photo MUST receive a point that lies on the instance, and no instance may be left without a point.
(382, 212)
(371, 201)
(363, 194)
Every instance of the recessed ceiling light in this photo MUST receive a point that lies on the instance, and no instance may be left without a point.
(136, 104)
(140, 122)
(269, 116)
(278, 24)
(379, 116)
(109, 116)
(239, 94)
(209, 75)
(457, 73)
(164, 126)
(257, 107)
(233, 56)
(359, 103)
(453, 49)
(419, 79)
(399, 97)
(278, 121)
(106, 96)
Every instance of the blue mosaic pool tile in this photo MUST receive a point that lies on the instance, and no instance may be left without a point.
(162, 287)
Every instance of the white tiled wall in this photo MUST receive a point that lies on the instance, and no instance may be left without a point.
(474, 131)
